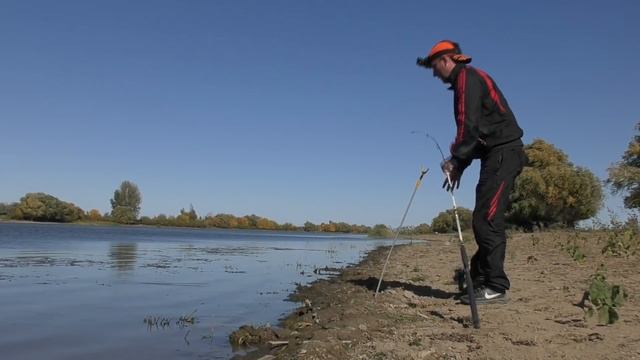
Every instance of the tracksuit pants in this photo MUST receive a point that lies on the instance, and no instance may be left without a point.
(498, 171)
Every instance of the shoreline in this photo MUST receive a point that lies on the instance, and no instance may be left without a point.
(417, 314)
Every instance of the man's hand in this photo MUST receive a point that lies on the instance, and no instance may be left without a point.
(451, 172)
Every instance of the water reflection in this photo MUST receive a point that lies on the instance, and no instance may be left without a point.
(123, 256)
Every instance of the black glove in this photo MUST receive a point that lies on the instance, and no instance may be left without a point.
(448, 167)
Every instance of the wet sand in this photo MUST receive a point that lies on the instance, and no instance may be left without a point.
(418, 316)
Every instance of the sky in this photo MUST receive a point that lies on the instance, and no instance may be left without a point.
(295, 110)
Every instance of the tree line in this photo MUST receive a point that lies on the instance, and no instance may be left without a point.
(550, 192)
(125, 209)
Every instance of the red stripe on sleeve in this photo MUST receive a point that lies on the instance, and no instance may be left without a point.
(460, 84)
(492, 90)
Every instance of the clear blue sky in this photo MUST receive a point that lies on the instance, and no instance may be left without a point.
(294, 110)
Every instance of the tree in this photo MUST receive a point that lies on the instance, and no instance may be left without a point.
(123, 215)
(251, 221)
(446, 220)
(187, 218)
(242, 222)
(126, 202)
(309, 226)
(466, 218)
(146, 220)
(94, 215)
(266, 224)
(343, 227)
(225, 221)
(422, 229)
(288, 227)
(380, 231)
(7, 208)
(624, 176)
(442, 223)
(161, 219)
(44, 207)
(551, 190)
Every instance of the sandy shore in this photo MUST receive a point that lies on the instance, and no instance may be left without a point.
(418, 316)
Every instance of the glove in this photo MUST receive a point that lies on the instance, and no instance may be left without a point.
(450, 169)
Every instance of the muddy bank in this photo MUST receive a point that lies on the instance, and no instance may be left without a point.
(418, 316)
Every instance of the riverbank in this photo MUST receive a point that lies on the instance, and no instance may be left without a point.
(417, 316)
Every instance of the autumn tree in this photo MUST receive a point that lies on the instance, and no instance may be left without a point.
(94, 215)
(445, 221)
(45, 207)
(266, 224)
(624, 176)
(225, 221)
(551, 190)
(187, 218)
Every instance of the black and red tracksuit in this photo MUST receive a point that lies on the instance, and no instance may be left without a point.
(486, 130)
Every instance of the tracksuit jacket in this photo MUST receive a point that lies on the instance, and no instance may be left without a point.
(483, 117)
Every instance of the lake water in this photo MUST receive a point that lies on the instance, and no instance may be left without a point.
(93, 292)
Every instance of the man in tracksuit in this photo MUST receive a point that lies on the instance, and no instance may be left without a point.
(486, 130)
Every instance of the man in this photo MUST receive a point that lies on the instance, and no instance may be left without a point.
(486, 130)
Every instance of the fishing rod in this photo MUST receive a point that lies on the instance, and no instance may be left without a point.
(423, 172)
(463, 251)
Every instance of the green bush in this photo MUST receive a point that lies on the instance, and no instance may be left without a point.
(44, 207)
(572, 247)
(624, 176)
(445, 222)
(551, 190)
(623, 239)
(380, 231)
(604, 299)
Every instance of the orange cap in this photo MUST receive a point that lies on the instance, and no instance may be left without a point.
(441, 48)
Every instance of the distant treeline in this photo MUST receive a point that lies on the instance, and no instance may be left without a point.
(47, 208)
(551, 192)
(189, 218)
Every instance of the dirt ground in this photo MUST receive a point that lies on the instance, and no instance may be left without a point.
(418, 316)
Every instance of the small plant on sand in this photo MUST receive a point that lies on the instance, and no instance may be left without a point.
(572, 247)
(575, 252)
(603, 299)
(623, 239)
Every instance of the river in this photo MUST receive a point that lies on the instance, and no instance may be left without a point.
(102, 292)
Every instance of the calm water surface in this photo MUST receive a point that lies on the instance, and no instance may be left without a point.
(89, 292)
